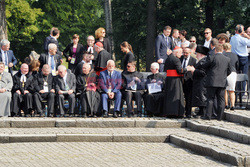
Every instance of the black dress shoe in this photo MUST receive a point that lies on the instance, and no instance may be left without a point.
(115, 115)
(188, 116)
(105, 115)
(139, 114)
(232, 108)
(205, 118)
(94, 116)
(227, 107)
(84, 115)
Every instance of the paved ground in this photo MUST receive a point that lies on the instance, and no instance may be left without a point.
(240, 112)
(100, 154)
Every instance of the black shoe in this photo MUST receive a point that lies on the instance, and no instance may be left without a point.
(205, 118)
(227, 107)
(188, 116)
(84, 115)
(61, 115)
(94, 116)
(139, 114)
(115, 115)
(232, 108)
(105, 115)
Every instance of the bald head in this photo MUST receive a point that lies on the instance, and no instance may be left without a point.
(86, 68)
(24, 68)
(46, 69)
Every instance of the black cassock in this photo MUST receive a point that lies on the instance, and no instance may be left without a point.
(154, 101)
(90, 99)
(101, 61)
(22, 101)
(199, 97)
(174, 98)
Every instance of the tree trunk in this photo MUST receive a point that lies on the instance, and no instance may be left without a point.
(108, 21)
(150, 41)
(209, 9)
(3, 24)
(221, 21)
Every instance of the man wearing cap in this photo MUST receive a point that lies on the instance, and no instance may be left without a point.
(102, 58)
(199, 92)
(186, 60)
(174, 99)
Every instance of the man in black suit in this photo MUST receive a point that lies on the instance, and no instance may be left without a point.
(212, 45)
(90, 48)
(54, 35)
(175, 38)
(7, 56)
(44, 89)
(51, 58)
(188, 60)
(65, 84)
(86, 59)
(22, 91)
(218, 68)
(163, 46)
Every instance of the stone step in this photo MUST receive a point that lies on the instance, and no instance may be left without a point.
(230, 130)
(238, 116)
(14, 135)
(218, 148)
(91, 122)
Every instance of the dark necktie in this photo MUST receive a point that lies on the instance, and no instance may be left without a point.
(185, 63)
(6, 59)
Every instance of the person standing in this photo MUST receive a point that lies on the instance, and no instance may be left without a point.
(218, 67)
(75, 53)
(188, 60)
(163, 46)
(127, 48)
(89, 48)
(100, 34)
(7, 56)
(208, 37)
(174, 99)
(53, 38)
(6, 84)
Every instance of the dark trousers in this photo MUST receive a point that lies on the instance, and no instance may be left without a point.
(22, 102)
(211, 93)
(243, 67)
(137, 96)
(39, 97)
(187, 89)
(90, 104)
(154, 103)
(70, 98)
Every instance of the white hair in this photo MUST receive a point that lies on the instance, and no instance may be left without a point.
(109, 61)
(155, 65)
(87, 64)
(5, 42)
(62, 67)
(52, 46)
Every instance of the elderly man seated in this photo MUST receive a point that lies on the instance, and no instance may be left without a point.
(110, 82)
(44, 90)
(22, 91)
(155, 95)
(65, 84)
(6, 84)
(87, 87)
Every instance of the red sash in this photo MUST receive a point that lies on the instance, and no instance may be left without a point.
(173, 73)
(102, 69)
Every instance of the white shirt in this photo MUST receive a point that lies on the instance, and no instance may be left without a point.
(186, 62)
(3, 56)
(207, 43)
(23, 78)
(65, 79)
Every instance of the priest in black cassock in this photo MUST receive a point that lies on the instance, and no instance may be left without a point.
(154, 98)
(86, 84)
(134, 86)
(174, 98)
(102, 58)
(22, 91)
(44, 88)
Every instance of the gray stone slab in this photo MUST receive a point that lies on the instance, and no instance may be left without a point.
(32, 123)
(105, 123)
(84, 138)
(247, 161)
(160, 123)
(213, 130)
(4, 123)
(141, 138)
(4, 138)
(66, 123)
(32, 138)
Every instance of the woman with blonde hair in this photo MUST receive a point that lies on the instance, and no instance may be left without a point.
(129, 57)
(231, 79)
(100, 37)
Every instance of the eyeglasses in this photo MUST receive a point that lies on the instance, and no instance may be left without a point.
(193, 41)
(206, 32)
(185, 52)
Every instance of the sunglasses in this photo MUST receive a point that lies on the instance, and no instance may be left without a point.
(185, 52)
(206, 32)
(192, 41)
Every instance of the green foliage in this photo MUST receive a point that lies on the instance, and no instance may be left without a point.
(22, 25)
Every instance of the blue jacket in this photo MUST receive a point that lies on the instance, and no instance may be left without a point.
(115, 80)
(11, 59)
